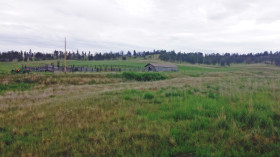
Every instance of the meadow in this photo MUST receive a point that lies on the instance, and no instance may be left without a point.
(198, 111)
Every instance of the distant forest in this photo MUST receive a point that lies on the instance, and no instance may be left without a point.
(192, 57)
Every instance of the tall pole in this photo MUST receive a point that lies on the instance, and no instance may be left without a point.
(65, 58)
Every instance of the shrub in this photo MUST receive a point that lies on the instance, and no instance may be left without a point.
(148, 96)
(211, 95)
(143, 76)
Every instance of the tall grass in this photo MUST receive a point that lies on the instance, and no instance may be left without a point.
(213, 114)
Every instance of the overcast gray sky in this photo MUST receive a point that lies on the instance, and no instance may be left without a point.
(114, 25)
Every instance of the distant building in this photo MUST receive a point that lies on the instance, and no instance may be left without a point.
(51, 68)
(160, 67)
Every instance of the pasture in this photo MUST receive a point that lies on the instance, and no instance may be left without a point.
(198, 111)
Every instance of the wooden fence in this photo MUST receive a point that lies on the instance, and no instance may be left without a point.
(86, 68)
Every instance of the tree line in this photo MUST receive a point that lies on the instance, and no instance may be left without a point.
(31, 56)
(222, 59)
(192, 57)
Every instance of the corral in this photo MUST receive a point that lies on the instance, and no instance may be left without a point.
(85, 68)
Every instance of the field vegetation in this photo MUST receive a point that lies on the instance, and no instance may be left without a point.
(198, 111)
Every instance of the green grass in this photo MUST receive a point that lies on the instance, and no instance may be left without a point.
(14, 87)
(204, 125)
(202, 111)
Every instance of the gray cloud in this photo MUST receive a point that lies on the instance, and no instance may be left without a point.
(113, 25)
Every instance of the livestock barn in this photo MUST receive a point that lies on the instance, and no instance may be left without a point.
(160, 67)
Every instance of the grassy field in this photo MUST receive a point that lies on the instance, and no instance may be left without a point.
(198, 111)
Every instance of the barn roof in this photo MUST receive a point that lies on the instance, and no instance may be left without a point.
(162, 65)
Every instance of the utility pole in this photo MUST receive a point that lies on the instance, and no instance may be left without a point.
(65, 58)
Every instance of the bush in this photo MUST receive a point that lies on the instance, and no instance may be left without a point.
(143, 76)
(148, 96)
